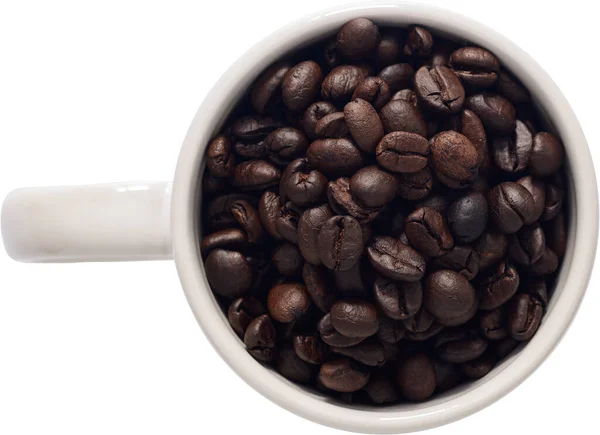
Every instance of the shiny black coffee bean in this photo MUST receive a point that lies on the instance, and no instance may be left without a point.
(401, 151)
(511, 206)
(309, 225)
(493, 324)
(450, 298)
(369, 352)
(428, 232)
(528, 245)
(220, 160)
(250, 150)
(242, 312)
(339, 85)
(459, 345)
(286, 222)
(401, 115)
(313, 114)
(287, 302)
(419, 42)
(468, 217)
(496, 112)
(300, 85)
(232, 239)
(364, 124)
(538, 192)
(248, 218)
(498, 286)
(491, 247)
(373, 187)
(462, 259)
(354, 318)
(524, 317)
(416, 377)
(476, 67)
(547, 155)
(340, 242)
(302, 184)
(439, 89)
(397, 76)
(415, 185)
(268, 211)
(398, 300)
(512, 153)
(332, 337)
(358, 39)
(395, 260)
(286, 144)
(229, 272)
(343, 203)
(454, 158)
(335, 157)
(343, 375)
(259, 338)
(373, 90)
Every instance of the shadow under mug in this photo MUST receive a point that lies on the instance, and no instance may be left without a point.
(153, 221)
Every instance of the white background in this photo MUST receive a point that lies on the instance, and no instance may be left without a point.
(104, 91)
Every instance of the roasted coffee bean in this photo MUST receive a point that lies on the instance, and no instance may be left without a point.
(301, 84)
(537, 288)
(468, 217)
(254, 127)
(416, 377)
(358, 39)
(390, 331)
(314, 114)
(401, 115)
(547, 264)
(287, 260)
(538, 192)
(342, 202)
(469, 125)
(454, 158)
(554, 202)
(528, 245)
(428, 233)
(332, 337)
(340, 83)
(493, 324)
(476, 67)
(438, 203)
(332, 125)
(260, 338)
(398, 300)
(285, 144)
(287, 302)
(247, 217)
(343, 375)
(220, 160)
(373, 187)
(401, 151)
(395, 260)
(310, 348)
(491, 248)
(251, 150)
(407, 95)
(340, 242)
(441, 52)
(292, 367)
(268, 211)
(556, 234)
(266, 91)
(512, 153)
(419, 42)
(381, 388)
(335, 157)
(389, 48)
(218, 212)
(447, 375)
(462, 259)
(256, 175)
(374, 90)
(429, 333)
(439, 89)
(415, 185)
(397, 76)
(450, 298)
(369, 352)
(242, 312)
(286, 222)
(459, 345)
(511, 206)
(231, 239)
(498, 286)
(524, 317)
(303, 185)
(481, 366)
(364, 124)
(354, 318)
(228, 273)
(496, 112)
(546, 156)
(318, 287)
(509, 87)
(309, 225)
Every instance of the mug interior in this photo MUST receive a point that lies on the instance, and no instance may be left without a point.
(460, 401)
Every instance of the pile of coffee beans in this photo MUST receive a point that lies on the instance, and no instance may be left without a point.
(382, 216)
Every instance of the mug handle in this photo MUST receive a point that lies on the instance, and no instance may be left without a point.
(104, 222)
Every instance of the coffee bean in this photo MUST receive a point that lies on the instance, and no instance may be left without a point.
(428, 233)
(300, 85)
(390, 331)
(556, 234)
(317, 286)
(340, 242)
(247, 216)
(512, 153)
(373, 187)
(401, 151)
(481, 366)
(429, 333)
(374, 90)
(546, 156)
(395, 260)
(256, 175)
(462, 259)
(369, 352)
(364, 124)
(398, 300)
(496, 112)
(476, 67)
(242, 312)
(537, 288)
(287, 302)
(332, 337)
(415, 185)
(218, 212)
(253, 127)
(250, 150)
(454, 159)
(335, 157)
(340, 83)
(439, 89)
(220, 160)
(309, 225)
(313, 114)
(231, 239)
(400, 115)
(498, 286)
(524, 317)
(458, 345)
(510, 88)
(260, 338)
(354, 318)
(287, 260)
(303, 185)
(447, 375)
(380, 388)
(292, 367)
(343, 375)
(228, 273)
(406, 95)
(419, 42)
(266, 91)
(285, 144)
(554, 202)
(528, 245)
(538, 192)
(469, 125)
(547, 264)
(493, 323)
(310, 348)
(491, 248)
(397, 76)
(435, 202)
(342, 202)
(286, 222)
(416, 377)
(268, 210)
(332, 125)
(450, 298)
(511, 206)
(468, 217)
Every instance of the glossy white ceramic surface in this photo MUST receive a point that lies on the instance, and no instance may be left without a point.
(451, 406)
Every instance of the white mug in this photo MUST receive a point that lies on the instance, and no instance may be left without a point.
(130, 221)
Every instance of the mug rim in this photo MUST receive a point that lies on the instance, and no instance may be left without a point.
(509, 374)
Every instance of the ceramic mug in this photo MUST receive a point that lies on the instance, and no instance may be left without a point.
(130, 221)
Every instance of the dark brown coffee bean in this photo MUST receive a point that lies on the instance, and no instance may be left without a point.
(415, 185)
(381, 388)
(287, 260)
(462, 259)
(454, 158)
(335, 157)
(314, 114)
(528, 245)
(292, 367)
(406, 95)
(286, 222)
(247, 216)
(493, 324)
(419, 42)
(538, 192)
(537, 288)
(369, 352)
(511, 205)
(554, 202)
(429, 333)
(309, 225)
(547, 264)
(358, 39)
(287, 302)
(218, 212)
(450, 298)
(332, 337)
(509, 87)
(343, 375)
(416, 377)
(481, 366)
(251, 150)
(342, 202)
(231, 239)
(303, 185)
(524, 317)
(354, 318)
(253, 127)
(340, 242)
(374, 90)
(242, 312)
(390, 47)
(512, 153)
(332, 125)
(447, 376)
(439, 89)
(472, 128)
(364, 124)
(397, 76)
(458, 345)
(547, 155)
(556, 234)
(496, 112)
(319, 289)
(266, 91)
(255, 175)
(220, 160)
(398, 300)
(340, 83)
(438, 203)
(373, 187)
(286, 144)
(268, 210)
(491, 248)
(428, 233)
(395, 260)
(498, 286)
(476, 67)
(400, 115)
(228, 273)
(260, 338)
(310, 348)
(401, 151)
(301, 84)
(468, 217)
(390, 331)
